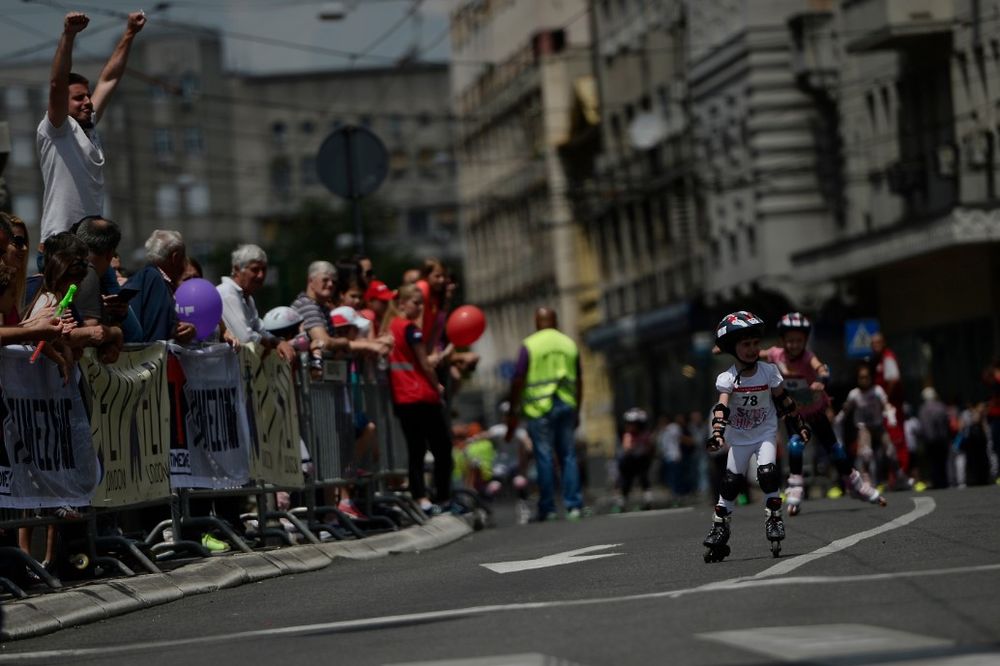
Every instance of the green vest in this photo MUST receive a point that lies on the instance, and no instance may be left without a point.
(552, 359)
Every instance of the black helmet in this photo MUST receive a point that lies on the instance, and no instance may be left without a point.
(794, 321)
(635, 415)
(737, 326)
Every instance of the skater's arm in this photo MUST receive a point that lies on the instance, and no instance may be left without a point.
(788, 410)
(822, 374)
(720, 419)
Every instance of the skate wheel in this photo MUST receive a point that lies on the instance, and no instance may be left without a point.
(80, 561)
(881, 501)
(776, 548)
(793, 509)
(716, 554)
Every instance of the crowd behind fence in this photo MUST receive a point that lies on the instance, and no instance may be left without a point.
(119, 456)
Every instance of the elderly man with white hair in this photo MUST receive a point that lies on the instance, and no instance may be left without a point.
(239, 310)
(155, 283)
(315, 303)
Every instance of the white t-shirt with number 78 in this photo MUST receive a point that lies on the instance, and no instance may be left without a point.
(752, 415)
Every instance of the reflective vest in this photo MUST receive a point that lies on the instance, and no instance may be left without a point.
(552, 360)
(409, 385)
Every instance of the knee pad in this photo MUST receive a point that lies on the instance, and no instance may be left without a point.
(796, 446)
(732, 484)
(838, 452)
(767, 477)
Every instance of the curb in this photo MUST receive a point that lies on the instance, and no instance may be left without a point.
(47, 613)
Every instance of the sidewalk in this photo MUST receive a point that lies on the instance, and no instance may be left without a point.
(47, 613)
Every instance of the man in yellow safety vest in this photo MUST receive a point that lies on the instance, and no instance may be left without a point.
(547, 388)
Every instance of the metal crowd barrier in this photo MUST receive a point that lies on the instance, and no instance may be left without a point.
(331, 397)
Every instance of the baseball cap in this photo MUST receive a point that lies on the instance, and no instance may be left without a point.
(348, 316)
(379, 290)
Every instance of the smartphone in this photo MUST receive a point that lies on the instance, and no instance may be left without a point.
(123, 296)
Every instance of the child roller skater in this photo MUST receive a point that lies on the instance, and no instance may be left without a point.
(751, 398)
(806, 378)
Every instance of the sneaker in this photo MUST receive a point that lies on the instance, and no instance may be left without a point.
(920, 486)
(348, 508)
(431, 510)
(834, 492)
(213, 544)
(574, 515)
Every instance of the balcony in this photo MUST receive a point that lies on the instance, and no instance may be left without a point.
(875, 25)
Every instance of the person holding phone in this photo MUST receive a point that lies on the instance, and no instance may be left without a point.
(98, 301)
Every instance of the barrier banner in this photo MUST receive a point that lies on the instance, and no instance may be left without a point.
(48, 458)
(130, 424)
(275, 455)
(212, 448)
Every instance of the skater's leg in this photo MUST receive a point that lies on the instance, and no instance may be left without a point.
(795, 490)
(770, 481)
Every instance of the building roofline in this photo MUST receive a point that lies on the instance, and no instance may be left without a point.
(408, 68)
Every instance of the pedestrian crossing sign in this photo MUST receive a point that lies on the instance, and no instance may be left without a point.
(858, 336)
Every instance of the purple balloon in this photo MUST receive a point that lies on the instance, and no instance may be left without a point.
(200, 304)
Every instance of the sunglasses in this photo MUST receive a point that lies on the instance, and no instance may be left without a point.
(20, 242)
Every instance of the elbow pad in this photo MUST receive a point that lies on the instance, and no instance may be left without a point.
(784, 404)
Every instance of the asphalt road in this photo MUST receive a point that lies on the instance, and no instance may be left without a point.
(917, 582)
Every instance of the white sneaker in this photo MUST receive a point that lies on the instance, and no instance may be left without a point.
(168, 535)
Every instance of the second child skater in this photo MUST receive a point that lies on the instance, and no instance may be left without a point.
(752, 396)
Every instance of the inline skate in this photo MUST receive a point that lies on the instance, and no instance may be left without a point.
(774, 527)
(716, 543)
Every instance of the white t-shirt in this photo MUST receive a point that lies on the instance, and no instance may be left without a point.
(752, 416)
(670, 442)
(73, 172)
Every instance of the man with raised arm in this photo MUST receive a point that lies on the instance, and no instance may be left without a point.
(69, 148)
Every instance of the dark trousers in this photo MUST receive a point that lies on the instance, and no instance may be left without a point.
(425, 429)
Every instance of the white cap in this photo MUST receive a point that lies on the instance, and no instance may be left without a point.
(352, 317)
(280, 318)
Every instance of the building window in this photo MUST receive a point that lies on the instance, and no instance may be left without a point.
(16, 98)
(158, 90)
(398, 162)
(418, 222)
(168, 202)
(279, 134)
(197, 199)
(425, 160)
(281, 177)
(163, 143)
(307, 127)
(194, 142)
(752, 240)
(307, 169)
(190, 86)
(22, 151)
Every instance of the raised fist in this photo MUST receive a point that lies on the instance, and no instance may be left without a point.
(136, 21)
(75, 22)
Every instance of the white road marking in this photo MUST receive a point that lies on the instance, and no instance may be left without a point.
(655, 512)
(568, 557)
(822, 642)
(922, 507)
(528, 659)
(734, 584)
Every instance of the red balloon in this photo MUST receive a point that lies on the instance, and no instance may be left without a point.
(465, 325)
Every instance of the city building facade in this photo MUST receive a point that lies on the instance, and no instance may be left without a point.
(522, 87)
(215, 154)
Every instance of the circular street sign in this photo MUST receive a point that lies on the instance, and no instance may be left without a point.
(352, 162)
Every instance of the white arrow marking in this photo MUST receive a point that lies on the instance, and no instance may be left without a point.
(569, 557)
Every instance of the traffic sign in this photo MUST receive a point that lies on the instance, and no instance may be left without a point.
(858, 336)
